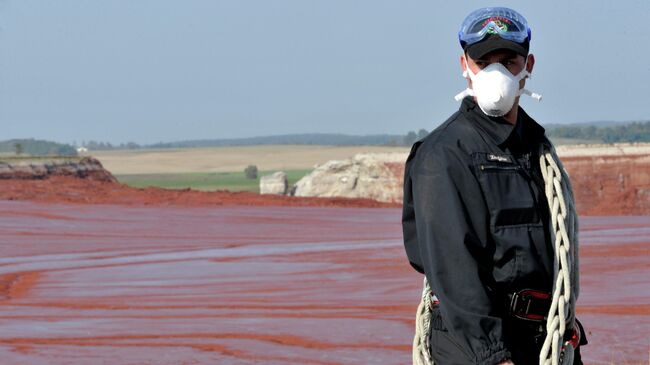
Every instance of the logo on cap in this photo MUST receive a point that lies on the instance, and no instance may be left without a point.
(500, 24)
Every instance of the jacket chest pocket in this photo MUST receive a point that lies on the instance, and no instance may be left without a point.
(507, 190)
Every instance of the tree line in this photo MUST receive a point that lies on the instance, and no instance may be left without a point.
(618, 133)
(35, 147)
(629, 132)
(107, 146)
(413, 136)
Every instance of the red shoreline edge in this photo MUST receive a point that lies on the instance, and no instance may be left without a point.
(74, 190)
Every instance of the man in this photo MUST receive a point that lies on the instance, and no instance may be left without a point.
(476, 215)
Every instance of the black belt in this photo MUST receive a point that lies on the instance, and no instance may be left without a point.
(530, 305)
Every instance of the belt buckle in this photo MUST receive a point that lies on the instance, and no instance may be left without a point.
(521, 301)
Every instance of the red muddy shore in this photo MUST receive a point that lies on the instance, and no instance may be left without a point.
(70, 189)
(120, 284)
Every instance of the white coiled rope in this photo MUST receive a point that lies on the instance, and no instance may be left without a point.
(421, 351)
(561, 308)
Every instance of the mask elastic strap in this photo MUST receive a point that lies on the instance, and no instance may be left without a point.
(467, 92)
(528, 75)
(533, 95)
(461, 95)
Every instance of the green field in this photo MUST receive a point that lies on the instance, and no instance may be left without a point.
(233, 181)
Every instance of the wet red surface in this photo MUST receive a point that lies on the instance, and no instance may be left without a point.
(117, 284)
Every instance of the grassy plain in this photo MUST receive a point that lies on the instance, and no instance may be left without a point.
(209, 181)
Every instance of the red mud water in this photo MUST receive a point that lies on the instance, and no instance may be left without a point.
(116, 284)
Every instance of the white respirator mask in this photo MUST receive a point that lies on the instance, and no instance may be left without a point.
(495, 88)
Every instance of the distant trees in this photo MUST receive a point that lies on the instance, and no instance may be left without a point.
(132, 146)
(618, 133)
(105, 146)
(411, 137)
(251, 172)
(613, 133)
(328, 139)
(630, 132)
(36, 147)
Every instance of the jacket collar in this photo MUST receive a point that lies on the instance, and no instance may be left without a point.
(499, 129)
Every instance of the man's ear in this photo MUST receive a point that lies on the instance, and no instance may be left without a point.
(530, 63)
(463, 65)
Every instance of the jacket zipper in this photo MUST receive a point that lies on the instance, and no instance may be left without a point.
(495, 167)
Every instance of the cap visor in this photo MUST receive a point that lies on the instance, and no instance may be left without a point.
(480, 49)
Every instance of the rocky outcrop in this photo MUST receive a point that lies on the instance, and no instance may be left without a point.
(375, 176)
(41, 168)
(275, 183)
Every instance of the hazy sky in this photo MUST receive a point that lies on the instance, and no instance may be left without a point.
(163, 70)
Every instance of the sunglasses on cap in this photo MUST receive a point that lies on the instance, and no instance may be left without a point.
(504, 22)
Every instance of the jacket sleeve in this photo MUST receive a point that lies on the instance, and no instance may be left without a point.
(452, 223)
(409, 231)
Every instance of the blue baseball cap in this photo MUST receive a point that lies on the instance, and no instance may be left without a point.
(488, 29)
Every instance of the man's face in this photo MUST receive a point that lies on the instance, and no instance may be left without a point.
(511, 60)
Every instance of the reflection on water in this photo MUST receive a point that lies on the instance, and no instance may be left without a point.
(241, 285)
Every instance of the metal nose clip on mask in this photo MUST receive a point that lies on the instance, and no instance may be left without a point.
(495, 89)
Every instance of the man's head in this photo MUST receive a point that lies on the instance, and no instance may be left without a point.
(497, 40)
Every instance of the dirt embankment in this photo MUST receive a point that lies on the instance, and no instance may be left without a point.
(41, 168)
(603, 185)
(610, 185)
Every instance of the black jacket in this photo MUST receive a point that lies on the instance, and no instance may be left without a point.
(475, 221)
